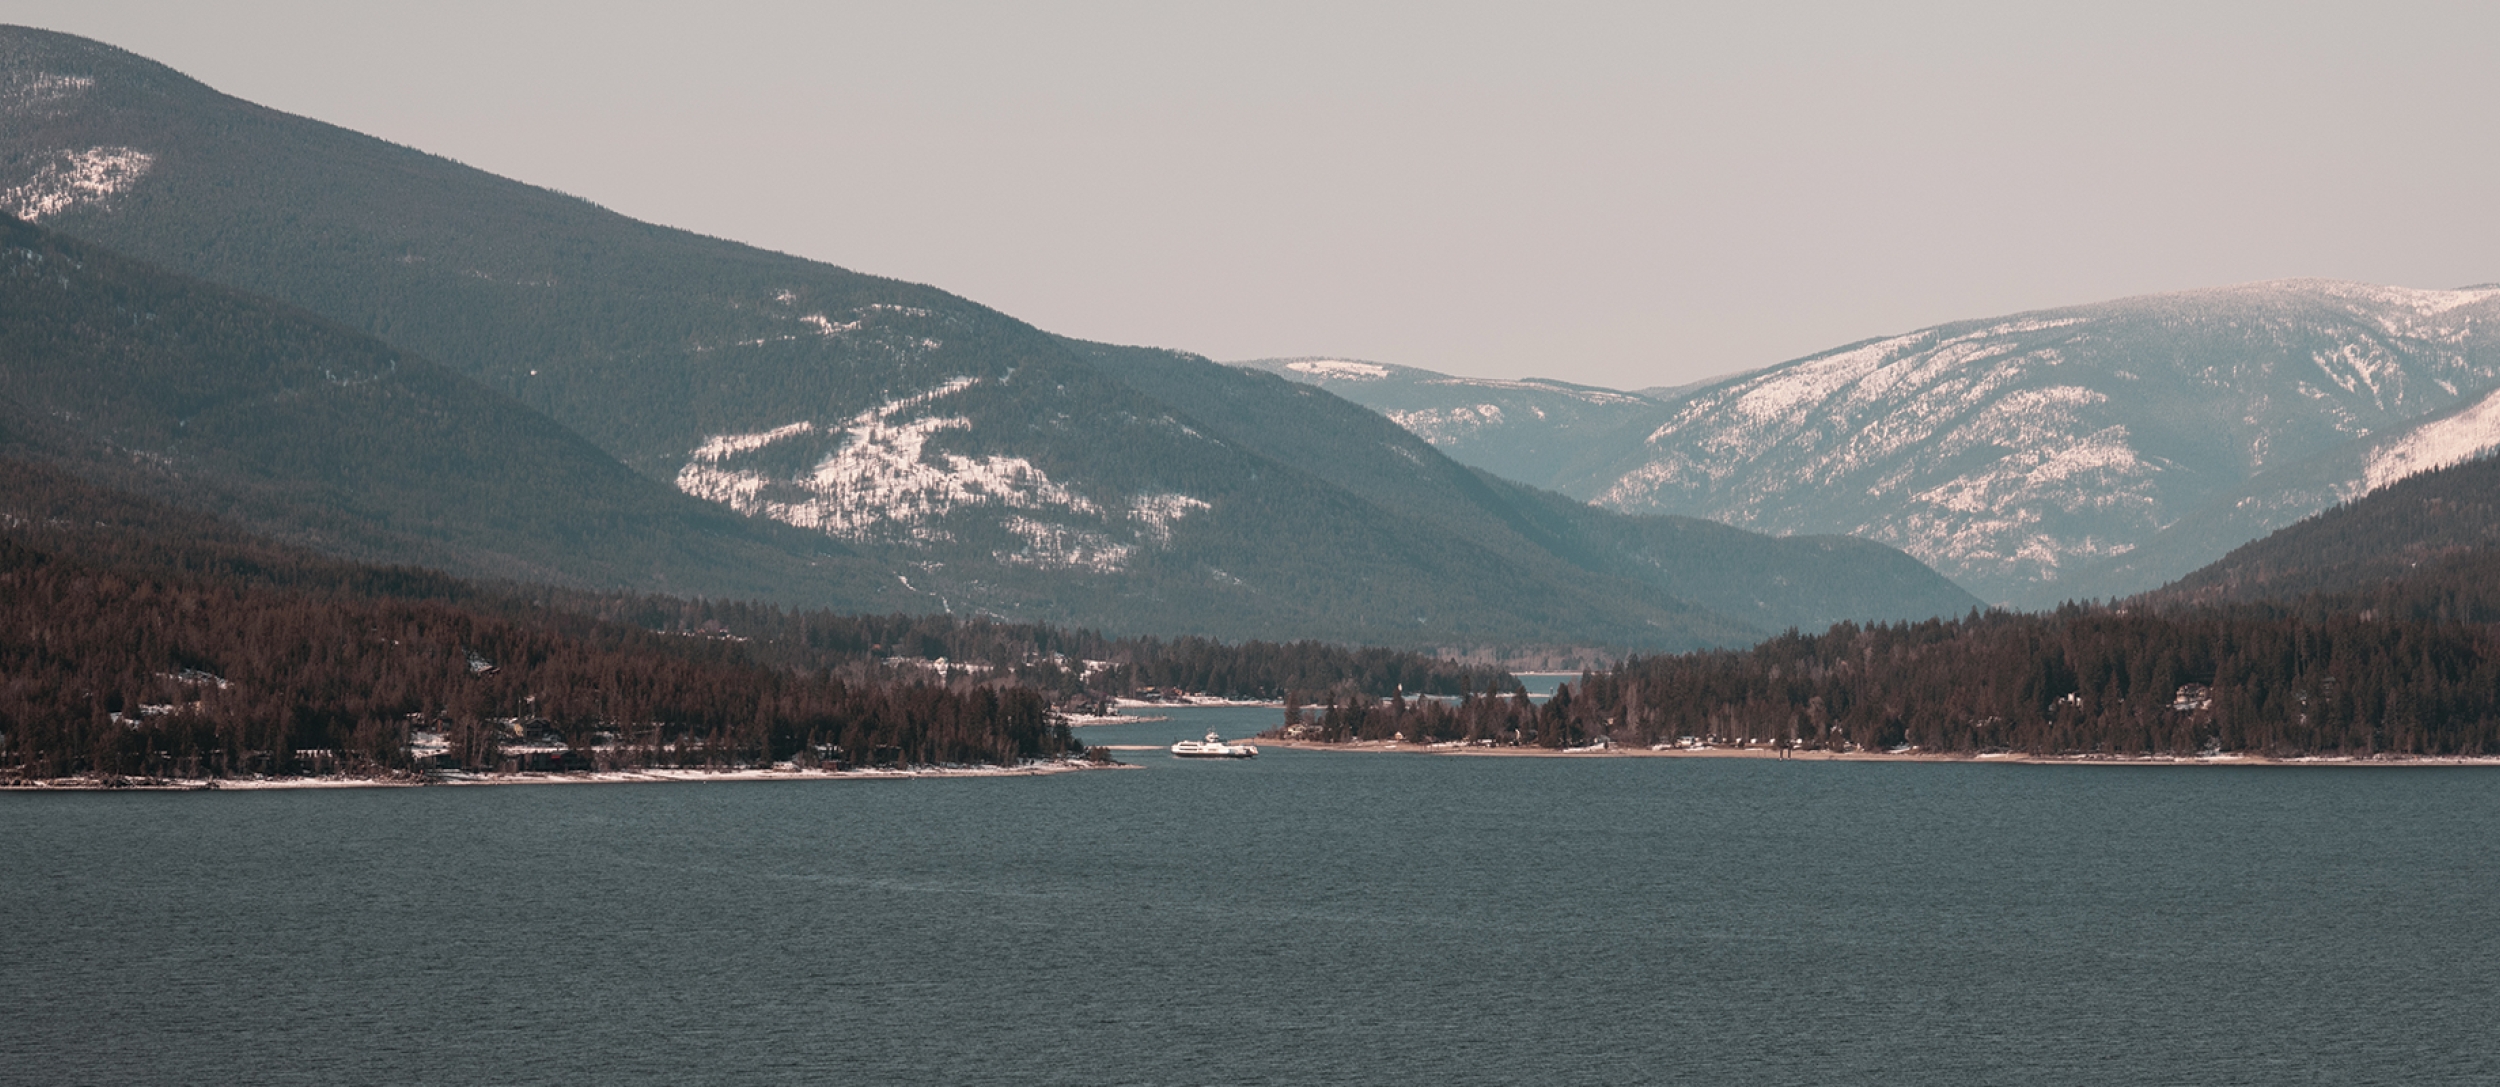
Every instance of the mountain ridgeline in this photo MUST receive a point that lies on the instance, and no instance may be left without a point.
(863, 442)
(2086, 452)
(1538, 431)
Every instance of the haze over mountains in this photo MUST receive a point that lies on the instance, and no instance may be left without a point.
(2090, 451)
(888, 444)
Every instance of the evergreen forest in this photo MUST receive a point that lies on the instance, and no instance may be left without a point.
(2387, 643)
(142, 641)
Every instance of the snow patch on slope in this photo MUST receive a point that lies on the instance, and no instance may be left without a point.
(883, 481)
(1061, 547)
(725, 445)
(877, 478)
(1441, 426)
(69, 179)
(2459, 437)
(38, 92)
(1339, 369)
(1154, 514)
(2420, 302)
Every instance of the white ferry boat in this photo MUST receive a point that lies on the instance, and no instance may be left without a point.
(1212, 748)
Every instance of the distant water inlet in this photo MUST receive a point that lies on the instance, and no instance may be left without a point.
(1297, 918)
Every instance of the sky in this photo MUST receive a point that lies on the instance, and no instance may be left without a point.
(1621, 194)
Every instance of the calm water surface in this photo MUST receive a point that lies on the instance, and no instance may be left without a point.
(1299, 918)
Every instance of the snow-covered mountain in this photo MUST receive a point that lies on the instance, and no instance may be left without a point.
(2091, 450)
(1532, 430)
(2096, 450)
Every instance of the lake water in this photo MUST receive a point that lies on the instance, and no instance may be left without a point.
(1304, 917)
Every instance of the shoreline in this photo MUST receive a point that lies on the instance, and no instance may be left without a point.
(1397, 747)
(456, 779)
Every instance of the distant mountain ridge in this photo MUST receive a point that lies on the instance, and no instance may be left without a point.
(2089, 451)
(986, 466)
(1533, 430)
(2023, 455)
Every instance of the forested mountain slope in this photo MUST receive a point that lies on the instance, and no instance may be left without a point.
(986, 466)
(310, 432)
(233, 403)
(1770, 583)
(2411, 529)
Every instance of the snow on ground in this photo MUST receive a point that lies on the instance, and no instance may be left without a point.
(39, 91)
(69, 179)
(2420, 302)
(777, 772)
(2459, 437)
(883, 481)
(1339, 369)
(1154, 514)
(1441, 426)
(1061, 547)
(725, 445)
(2010, 448)
(1782, 394)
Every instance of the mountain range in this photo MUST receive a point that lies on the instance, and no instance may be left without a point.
(517, 382)
(2090, 451)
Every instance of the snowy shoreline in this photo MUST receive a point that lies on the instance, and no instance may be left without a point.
(592, 777)
(2006, 757)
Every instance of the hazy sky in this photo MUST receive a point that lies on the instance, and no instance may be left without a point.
(1625, 194)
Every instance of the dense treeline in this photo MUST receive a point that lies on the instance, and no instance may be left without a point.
(2371, 629)
(109, 672)
(1053, 659)
(142, 639)
(2407, 667)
